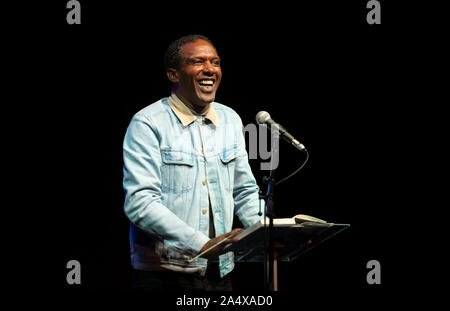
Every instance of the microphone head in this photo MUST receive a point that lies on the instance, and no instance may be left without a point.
(262, 117)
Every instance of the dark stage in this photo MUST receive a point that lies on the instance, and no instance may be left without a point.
(335, 82)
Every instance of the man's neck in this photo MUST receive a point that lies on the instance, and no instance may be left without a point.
(198, 109)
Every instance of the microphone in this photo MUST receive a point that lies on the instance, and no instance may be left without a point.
(263, 117)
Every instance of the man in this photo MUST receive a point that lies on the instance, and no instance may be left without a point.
(186, 174)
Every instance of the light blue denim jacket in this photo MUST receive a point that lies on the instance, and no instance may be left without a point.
(174, 163)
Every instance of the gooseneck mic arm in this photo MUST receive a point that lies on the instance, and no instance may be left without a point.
(263, 117)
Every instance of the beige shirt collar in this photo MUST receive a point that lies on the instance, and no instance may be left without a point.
(184, 113)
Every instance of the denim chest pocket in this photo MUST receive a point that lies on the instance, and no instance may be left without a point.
(177, 171)
(227, 164)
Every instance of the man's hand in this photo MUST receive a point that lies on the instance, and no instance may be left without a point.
(220, 248)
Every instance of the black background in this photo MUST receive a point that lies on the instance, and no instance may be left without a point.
(336, 83)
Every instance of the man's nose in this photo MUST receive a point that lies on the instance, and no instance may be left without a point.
(209, 69)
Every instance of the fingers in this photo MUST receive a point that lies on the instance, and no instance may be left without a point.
(233, 232)
(219, 248)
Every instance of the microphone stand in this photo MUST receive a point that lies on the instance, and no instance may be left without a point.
(270, 253)
(270, 258)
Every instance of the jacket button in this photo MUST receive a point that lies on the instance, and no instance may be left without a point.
(204, 182)
(204, 211)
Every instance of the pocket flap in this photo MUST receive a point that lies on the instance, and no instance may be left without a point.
(177, 157)
(228, 155)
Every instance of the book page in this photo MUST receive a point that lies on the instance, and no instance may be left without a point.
(303, 218)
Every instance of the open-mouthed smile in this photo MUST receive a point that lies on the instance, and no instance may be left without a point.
(206, 85)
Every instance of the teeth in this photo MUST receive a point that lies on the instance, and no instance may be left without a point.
(206, 82)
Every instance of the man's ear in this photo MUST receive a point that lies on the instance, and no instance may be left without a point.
(172, 74)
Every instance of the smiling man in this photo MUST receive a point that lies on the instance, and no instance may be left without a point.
(196, 75)
(186, 174)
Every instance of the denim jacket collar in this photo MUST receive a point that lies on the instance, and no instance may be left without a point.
(185, 115)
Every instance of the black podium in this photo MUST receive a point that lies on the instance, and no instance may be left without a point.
(289, 242)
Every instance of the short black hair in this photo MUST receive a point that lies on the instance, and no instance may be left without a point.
(172, 56)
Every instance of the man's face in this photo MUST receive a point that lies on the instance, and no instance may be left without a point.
(199, 73)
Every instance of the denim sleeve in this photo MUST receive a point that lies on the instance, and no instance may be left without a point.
(245, 191)
(142, 185)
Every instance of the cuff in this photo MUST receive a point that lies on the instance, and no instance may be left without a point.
(198, 241)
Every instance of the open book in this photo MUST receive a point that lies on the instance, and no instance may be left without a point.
(277, 222)
(297, 219)
(280, 222)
